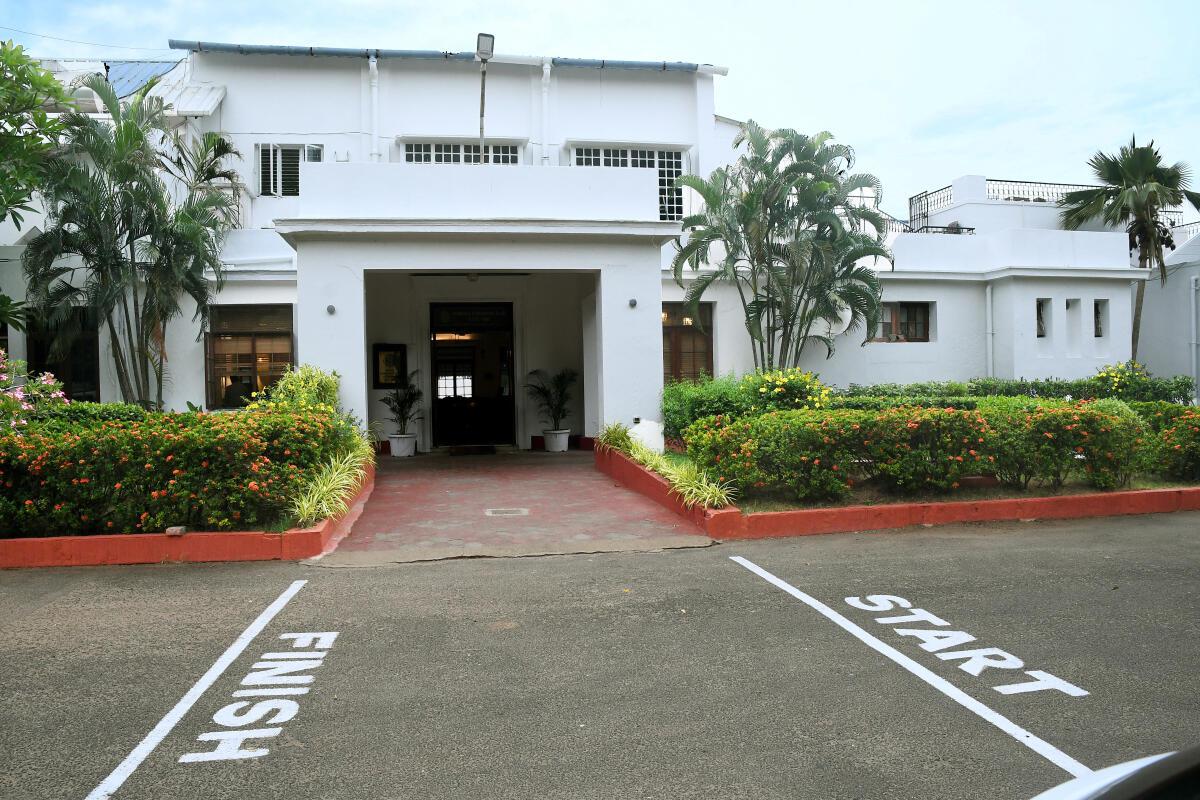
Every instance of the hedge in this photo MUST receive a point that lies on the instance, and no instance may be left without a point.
(813, 455)
(1181, 447)
(203, 471)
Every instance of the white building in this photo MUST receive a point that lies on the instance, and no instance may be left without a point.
(1170, 342)
(369, 228)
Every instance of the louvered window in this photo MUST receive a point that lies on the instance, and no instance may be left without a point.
(669, 164)
(279, 167)
(439, 153)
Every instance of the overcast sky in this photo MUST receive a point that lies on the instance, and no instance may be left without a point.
(923, 90)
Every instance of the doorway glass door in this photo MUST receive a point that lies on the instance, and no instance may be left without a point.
(471, 348)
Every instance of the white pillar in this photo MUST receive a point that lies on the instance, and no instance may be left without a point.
(631, 365)
(333, 340)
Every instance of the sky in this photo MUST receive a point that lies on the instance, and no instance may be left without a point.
(923, 90)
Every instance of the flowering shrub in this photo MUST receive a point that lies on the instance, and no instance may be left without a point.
(806, 454)
(684, 402)
(203, 471)
(1181, 447)
(784, 390)
(920, 449)
(304, 386)
(1159, 414)
(22, 394)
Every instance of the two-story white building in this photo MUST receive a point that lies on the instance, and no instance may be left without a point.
(372, 240)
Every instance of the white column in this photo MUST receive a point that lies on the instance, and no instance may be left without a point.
(631, 365)
(333, 339)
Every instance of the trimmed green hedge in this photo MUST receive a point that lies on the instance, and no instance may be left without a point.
(820, 454)
(204, 471)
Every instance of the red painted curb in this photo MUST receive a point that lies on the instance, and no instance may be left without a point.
(731, 523)
(158, 548)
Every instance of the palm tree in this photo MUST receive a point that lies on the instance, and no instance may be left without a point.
(779, 225)
(140, 245)
(1135, 188)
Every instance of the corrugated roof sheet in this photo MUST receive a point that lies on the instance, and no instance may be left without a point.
(127, 77)
(190, 99)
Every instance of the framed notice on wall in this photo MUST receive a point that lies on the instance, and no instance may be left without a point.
(389, 365)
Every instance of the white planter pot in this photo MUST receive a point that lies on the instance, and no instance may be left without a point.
(556, 441)
(403, 444)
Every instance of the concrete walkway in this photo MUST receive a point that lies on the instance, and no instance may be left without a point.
(509, 504)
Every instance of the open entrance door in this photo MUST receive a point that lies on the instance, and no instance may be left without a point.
(471, 349)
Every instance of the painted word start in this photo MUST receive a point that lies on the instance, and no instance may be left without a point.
(974, 660)
(274, 676)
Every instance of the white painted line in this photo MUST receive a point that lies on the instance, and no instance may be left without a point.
(132, 761)
(1039, 746)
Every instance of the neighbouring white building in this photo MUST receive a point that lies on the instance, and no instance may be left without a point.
(372, 236)
(1171, 319)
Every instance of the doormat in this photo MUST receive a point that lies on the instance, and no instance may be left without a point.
(472, 450)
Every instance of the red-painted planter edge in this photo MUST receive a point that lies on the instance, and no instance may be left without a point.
(158, 548)
(731, 523)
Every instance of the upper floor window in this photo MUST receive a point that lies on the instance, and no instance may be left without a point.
(279, 167)
(904, 322)
(669, 164)
(445, 153)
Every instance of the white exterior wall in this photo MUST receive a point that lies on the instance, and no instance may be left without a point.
(1170, 342)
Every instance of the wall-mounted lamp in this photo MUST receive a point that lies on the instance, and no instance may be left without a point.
(633, 302)
(330, 310)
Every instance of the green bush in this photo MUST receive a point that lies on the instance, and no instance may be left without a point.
(77, 413)
(1159, 414)
(869, 403)
(810, 455)
(203, 471)
(684, 402)
(1181, 447)
(304, 386)
(922, 449)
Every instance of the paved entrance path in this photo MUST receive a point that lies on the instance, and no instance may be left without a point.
(508, 504)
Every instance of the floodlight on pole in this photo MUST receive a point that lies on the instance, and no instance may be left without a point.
(485, 47)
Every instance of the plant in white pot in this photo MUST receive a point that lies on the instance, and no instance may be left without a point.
(404, 401)
(552, 393)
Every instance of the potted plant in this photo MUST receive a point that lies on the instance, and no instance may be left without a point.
(553, 394)
(403, 402)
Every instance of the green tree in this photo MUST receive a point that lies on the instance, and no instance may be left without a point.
(27, 131)
(786, 225)
(139, 245)
(1136, 187)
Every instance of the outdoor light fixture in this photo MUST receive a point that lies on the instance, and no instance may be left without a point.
(485, 46)
(330, 309)
(633, 302)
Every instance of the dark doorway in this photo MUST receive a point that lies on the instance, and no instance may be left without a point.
(471, 349)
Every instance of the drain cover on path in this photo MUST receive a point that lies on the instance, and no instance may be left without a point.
(506, 512)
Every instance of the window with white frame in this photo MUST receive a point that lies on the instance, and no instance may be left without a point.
(448, 153)
(279, 167)
(668, 163)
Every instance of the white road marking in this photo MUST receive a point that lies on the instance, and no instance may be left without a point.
(132, 761)
(1039, 746)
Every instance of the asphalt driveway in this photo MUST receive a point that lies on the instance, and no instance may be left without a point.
(669, 674)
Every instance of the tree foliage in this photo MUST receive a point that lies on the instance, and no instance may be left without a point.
(27, 131)
(1135, 188)
(792, 229)
(135, 221)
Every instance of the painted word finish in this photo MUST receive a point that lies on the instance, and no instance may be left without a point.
(275, 676)
(939, 641)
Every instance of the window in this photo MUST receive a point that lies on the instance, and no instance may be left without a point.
(904, 322)
(1099, 318)
(1043, 317)
(79, 367)
(279, 167)
(454, 379)
(687, 342)
(248, 349)
(669, 164)
(443, 153)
